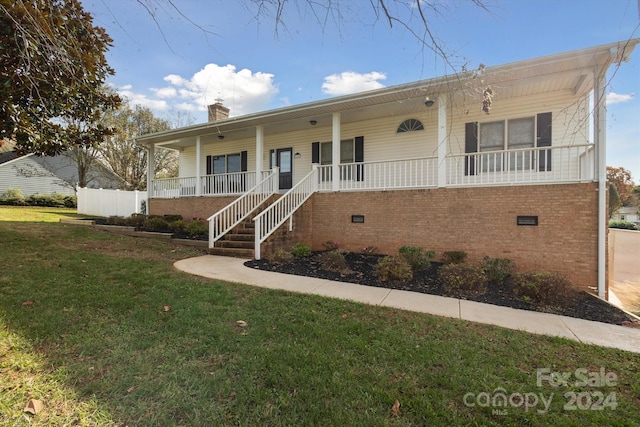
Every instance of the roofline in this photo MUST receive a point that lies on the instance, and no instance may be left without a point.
(618, 52)
(16, 159)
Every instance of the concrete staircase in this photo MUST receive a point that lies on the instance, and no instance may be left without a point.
(238, 242)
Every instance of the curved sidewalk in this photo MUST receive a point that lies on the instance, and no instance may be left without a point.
(603, 334)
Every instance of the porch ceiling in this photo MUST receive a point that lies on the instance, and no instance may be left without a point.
(572, 71)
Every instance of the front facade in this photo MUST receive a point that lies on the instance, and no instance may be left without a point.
(497, 162)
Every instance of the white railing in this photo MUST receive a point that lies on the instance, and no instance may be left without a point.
(233, 214)
(525, 166)
(167, 188)
(228, 183)
(283, 209)
(394, 174)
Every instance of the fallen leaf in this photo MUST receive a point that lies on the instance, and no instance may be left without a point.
(166, 308)
(34, 406)
(241, 323)
(27, 303)
(65, 335)
(130, 389)
(396, 408)
(344, 315)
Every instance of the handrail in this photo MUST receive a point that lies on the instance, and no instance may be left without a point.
(233, 214)
(268, 221)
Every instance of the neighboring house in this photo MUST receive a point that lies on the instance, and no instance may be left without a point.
(420, 164)
(628, 213)
(47, 175)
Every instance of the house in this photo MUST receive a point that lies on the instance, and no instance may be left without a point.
(499, 161)
(628, 213)
(47, 175)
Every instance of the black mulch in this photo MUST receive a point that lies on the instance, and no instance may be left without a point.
(362, 271)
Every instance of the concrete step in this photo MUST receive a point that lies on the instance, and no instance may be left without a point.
(233, 252)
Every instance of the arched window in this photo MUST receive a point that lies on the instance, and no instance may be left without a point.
(410, 125)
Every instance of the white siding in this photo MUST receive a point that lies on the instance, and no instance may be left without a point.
(31, 178)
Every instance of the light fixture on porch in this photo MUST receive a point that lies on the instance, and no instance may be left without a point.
(313, 122)
(297, 155)
(428, 102)
(220, 136)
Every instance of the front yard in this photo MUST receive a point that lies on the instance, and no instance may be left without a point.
(104, 331)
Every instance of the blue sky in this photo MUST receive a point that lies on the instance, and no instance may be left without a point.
(178, 62)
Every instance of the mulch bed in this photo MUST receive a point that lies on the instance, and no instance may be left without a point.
(362, 271)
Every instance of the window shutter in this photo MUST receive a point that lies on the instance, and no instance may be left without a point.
(315, 152)
(470, 146)
(271, 159)
(543, 134)
(243, 161)
(358, 156)
(209, 165)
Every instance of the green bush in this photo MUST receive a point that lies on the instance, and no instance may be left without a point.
(178, 227)
(394, 268)
(497, 269)
(116, 220)
(281, 256)
(463, 279)
(136, 220)
(55, 200)
(333, 261)
(14, 197)
(172, 218)
(417, 258)
(454, 257)
(543, 288)
(156, 223)
(197, 228)
(301, 250)
(625, 225)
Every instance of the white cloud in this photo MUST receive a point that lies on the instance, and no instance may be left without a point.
(242, 91)
(617, 98)
(349, 82)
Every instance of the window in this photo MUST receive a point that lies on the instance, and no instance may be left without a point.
(410, 125)
(219, 167)
(228, 163)
(514, 134)
(351, 151)
(346, 156)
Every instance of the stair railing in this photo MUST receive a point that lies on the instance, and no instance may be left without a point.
(268, 221)
(223, 221)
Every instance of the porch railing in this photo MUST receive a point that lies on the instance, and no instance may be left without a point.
(283, 209)
(167, 188)
(233, 214)
(211, 185)
(524, 166)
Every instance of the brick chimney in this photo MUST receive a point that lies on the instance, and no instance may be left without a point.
(218, 111)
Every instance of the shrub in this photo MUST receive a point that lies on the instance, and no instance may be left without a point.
(301, 250)
(136, 220)
(70, 201)
(543, 288)
(369, 250)
(197, 228)
(417, 258)
(331, 245)
(625, 225)
(454, 257)
(463, 279)
(281, 256)
(178, 227)
(394, 268)
(116, 220)
(172, 218)
(155, 223)
(13, 196)
(333, 261)
(497, 269)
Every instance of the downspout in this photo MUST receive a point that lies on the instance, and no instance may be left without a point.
(599, 127)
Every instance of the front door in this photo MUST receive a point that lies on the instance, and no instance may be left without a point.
(284, 160)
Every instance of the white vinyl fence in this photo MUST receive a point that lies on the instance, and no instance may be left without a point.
(107, 203)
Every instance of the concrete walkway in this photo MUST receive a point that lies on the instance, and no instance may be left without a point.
(602, 334)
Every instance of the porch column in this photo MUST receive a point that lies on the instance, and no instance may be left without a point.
(259, 152)
(335, 153)
(151, 171)
(198, 166)
(443, 141)
(600, 139)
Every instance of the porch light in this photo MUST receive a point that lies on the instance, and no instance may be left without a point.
(297, 155)
(313, 122)
(428, 102)
(220, 136)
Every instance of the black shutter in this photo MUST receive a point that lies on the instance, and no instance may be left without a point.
(543, 133)
(271, 165)
(470, 146)
(209, 165)
(358, 156)
(243, 161)
(315, 152)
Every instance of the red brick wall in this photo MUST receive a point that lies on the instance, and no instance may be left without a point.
(479, 221)
(189, 207)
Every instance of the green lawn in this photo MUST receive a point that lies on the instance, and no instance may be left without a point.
(104, 331)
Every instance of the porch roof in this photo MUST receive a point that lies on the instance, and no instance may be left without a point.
(573, 71)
